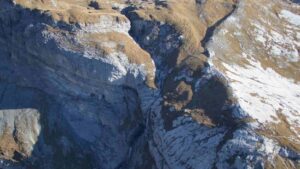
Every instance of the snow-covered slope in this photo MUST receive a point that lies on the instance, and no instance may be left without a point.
(130, 84)
(262, 65)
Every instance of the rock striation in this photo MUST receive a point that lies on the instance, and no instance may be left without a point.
(152, 84)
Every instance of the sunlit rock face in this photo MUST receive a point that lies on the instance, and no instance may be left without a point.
(149, 84)
(23, 125)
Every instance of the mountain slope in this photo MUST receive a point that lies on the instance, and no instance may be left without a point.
(175, 84)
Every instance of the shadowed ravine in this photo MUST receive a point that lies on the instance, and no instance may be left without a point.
(130, 85)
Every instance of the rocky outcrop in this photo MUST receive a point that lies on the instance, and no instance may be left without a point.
(93, 88)
(147, 84)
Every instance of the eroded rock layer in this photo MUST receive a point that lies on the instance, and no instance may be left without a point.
(158, 84)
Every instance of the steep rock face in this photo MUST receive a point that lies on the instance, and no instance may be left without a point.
(93, 87)
(196, 113)
(148, 84)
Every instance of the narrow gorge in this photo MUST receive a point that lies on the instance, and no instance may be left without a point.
(149, 84)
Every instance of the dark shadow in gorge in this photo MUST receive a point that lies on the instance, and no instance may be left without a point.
(151, 36)
(161, 41)
(47, 151)
(50, 150)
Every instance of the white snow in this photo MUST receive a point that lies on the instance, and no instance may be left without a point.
(181, 146)
(259, 33)
(118, 6)
(276, 44)
(54, 3)
(290, 17)
(263, 93)
(270, 147)
(275, 50)
(106, 24)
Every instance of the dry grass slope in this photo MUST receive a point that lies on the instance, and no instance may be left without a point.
(72, 12)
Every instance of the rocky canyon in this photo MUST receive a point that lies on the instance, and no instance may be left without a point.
(149, 84)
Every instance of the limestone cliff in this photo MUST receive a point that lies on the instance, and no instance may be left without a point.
(149, 84)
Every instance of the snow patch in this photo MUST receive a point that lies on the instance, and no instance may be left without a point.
(107, 24)
(290, 17)
(263, 93)
(277, 45)
(270, 147)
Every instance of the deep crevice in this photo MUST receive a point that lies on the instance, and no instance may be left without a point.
(210, 30)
